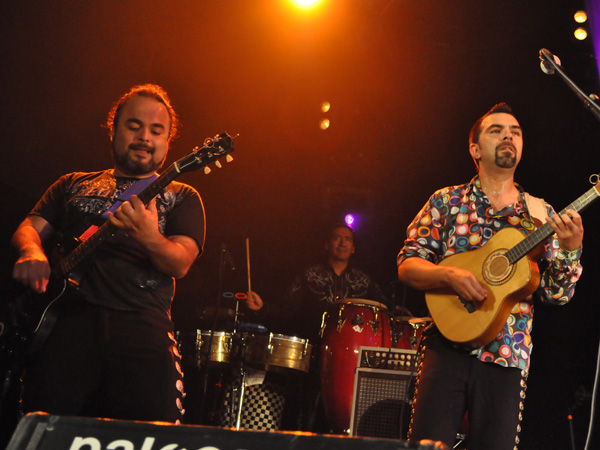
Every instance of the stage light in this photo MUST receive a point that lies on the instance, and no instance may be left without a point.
(350, 220)
(580, 16)
(325, 106)
(306, 4)
(324, 124)
(580, 33)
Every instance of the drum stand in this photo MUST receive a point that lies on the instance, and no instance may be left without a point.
(225, 261)
(239, 349)
(236, 403)
(238, 343)
(241, 388)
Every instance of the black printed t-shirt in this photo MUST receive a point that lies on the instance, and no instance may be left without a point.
(118, 274)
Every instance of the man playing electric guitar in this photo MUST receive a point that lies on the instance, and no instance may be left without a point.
(487, 381)
(111, 353)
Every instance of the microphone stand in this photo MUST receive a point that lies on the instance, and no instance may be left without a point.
(395, 337)
(205, 356)
(588, 100)
(406, 400)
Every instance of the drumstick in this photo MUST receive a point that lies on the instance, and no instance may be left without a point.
(248, 265)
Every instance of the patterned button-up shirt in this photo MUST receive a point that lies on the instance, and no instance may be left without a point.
(460, 218)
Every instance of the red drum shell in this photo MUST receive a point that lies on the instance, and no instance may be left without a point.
(348, 325)
(407, 331)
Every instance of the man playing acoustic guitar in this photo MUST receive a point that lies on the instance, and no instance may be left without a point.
(111, 352)
(467, 367)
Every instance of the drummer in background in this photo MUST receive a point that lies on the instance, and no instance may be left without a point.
(311, 293)
(319, 286)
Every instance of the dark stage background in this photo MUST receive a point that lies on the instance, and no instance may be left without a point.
(406, 80)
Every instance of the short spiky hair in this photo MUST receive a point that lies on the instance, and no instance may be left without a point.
(476, 129)
(145, 90)
(339, 225)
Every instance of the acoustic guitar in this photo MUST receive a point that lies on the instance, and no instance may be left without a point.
(27, 318)
(506, 266)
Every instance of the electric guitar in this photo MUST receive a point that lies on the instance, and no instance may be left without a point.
(27, 318)
(507, 268)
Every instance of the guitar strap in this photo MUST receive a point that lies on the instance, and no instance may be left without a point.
(134, 189)
(537, 209)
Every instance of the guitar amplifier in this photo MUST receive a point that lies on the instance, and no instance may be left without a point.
(383, 390)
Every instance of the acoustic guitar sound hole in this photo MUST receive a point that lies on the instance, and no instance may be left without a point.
(496, 268)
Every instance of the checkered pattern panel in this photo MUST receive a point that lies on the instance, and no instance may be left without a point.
(262, 408)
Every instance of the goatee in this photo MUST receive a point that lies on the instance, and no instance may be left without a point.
(134, 167)
(506, 160)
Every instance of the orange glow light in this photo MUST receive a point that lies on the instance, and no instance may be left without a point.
(306, 4)
(325, 106)
(324, 124)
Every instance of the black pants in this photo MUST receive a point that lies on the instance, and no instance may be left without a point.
(452, 382)
(104, 363)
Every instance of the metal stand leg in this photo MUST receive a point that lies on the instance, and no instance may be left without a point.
(240, 403)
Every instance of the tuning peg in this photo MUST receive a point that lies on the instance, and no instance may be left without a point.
(229, 158)
(207, 170)
(218, 164)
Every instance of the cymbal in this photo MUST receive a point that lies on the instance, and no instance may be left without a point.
(403, 318)
(420, 320)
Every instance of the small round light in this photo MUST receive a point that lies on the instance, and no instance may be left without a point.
(580, 16)
(580, 33)
(349, 219)
(324, 124)
(325, 106)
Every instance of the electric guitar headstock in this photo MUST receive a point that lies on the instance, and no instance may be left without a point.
(212, 150)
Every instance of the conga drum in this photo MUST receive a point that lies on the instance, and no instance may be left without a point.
(408, 330)
(348, 325)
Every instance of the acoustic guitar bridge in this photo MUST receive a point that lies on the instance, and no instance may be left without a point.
(469, 306)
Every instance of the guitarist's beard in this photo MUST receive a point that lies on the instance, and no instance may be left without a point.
(133, 167)
(504, 159)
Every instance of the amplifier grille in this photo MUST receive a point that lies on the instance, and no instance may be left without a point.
(381, 401)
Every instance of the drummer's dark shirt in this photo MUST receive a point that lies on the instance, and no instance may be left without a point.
(314, 290)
